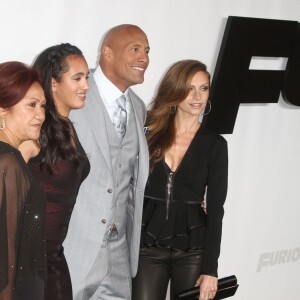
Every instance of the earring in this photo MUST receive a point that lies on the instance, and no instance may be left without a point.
(204, 114)
(173, 109)
(2, 123)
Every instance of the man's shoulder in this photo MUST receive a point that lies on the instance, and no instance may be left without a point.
(136, 99)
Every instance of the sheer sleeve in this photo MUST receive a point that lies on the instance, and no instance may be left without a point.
(14, 186)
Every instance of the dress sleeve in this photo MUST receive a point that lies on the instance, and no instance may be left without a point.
(13, 191)
(216, 195)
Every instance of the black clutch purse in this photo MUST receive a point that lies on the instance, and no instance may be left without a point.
(227, 287)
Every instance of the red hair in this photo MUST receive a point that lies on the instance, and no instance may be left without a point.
(15, 80)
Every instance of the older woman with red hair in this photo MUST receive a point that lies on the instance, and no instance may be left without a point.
(22, 203)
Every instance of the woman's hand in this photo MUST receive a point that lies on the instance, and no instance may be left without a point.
(29, 149)
(208, 286)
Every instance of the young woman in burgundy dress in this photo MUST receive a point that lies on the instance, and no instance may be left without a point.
(61, 165)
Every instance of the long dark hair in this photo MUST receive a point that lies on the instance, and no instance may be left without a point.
(56, 134)
(173, 89)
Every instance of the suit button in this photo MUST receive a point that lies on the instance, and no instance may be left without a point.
(109, 191)
(103, 221)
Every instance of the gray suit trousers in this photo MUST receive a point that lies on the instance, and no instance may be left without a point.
(110, 278)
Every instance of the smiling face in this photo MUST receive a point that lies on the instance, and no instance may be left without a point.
(24, 120)
(70, 92)
(196, 100)
(126, 57)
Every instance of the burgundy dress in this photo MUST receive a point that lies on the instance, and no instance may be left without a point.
(61, 190)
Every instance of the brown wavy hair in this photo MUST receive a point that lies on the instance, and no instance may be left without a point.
(173, 89)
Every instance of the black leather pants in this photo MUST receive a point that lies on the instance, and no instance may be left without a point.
(158, 266)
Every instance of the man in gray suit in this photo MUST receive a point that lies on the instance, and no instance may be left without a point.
(102, 244)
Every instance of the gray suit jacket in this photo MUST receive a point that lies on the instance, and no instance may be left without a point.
(94, 201)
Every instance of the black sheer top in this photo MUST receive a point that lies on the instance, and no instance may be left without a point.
(172, 214)
(22, 217)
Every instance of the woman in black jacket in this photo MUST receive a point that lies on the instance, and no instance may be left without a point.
(180, 240)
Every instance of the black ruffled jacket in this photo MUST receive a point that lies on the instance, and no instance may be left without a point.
(172, 215)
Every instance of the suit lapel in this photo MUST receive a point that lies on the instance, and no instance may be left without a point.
(98, 124)
(143, 152)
